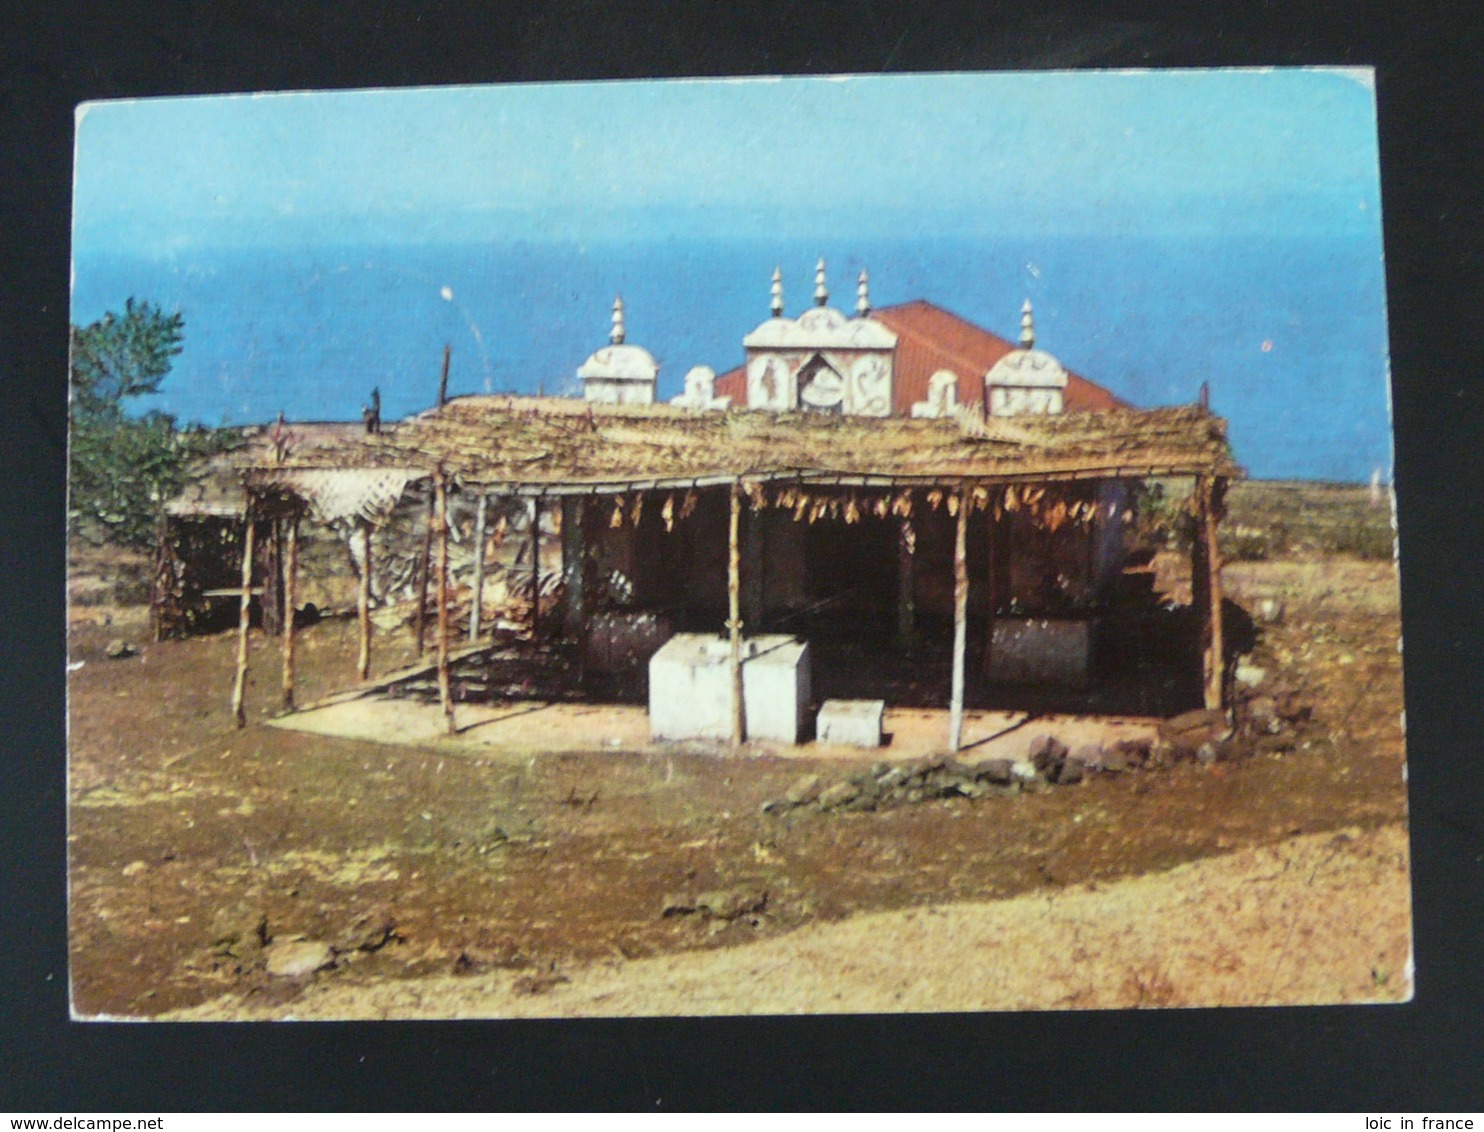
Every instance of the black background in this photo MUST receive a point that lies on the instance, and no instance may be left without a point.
(1429, 1054)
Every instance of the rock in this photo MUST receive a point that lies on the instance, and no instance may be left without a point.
(994, 770)
(1090, 755)
(971, 789)
(1292, 709)
(1115, 762)
(1250, 674)
(367, 932)
(893, 778)
(134, 868)
(1023, 770)
(1270, 610)
(838, 795)
(119, 649)
(1261, 709)
(1205, 754)
(1046, 752)
(803, 791)
(239, 927)
(1070, 772)
(300, 958)
(729, 904)
(1136, 751)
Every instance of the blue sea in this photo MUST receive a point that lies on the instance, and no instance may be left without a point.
(1289, 331)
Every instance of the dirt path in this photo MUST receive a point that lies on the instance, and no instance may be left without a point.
(1318, 918)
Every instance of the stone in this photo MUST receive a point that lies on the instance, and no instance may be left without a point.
(134, 868)
(854, 723)
(1046, 752)
(1070, 772)
(996, 770)
(367, 932)
(298, 959)
(1023, 770)
(1292, 709)
(1270, 610)
(1090, 755)
(239, 927)
(1205, 754)
(119, 649)
(971, 789)
(838, 795)
(729, 904)
(1115, 762)
(804, 790)
(1250, 674)
(894, 777)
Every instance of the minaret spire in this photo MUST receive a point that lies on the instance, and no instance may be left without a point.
(616, 337)
(863, 295)
(777, 300)
(821, 290)
(1027, 327)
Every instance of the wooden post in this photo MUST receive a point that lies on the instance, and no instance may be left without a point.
(363, 603)
(475, 611)
(533, 516)
(290, 604)
(1206, 588)
(443, 378)
(906, 584)
(445, 692)
(734, 614)
(960, 620)
(423, 565)
(239, 682)
(991, 580)
(573, 570)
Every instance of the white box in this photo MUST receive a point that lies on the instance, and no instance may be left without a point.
(690, 688)
(856, 723)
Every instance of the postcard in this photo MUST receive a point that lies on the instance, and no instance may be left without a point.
(812, 545)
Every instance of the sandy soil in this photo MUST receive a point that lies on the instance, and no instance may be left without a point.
(1317, 919)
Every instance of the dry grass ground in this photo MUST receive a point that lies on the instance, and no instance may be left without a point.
(501, 881)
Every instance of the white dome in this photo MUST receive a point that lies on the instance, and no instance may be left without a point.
(620, 363)
(821, 328)
(1032, 369)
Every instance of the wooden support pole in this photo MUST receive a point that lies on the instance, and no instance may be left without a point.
(424, 563)
(960, 620)
(363, 603)
(239, 682)
(991, 584)
(443, 377)
(1210, 502)
(573, 570)
(906, 584)
(476, 611)
(734, 616)
(290, 604)
(445, 691)
(533, 517)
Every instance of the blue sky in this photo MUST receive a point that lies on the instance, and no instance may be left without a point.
(1202, 151)
(1171, 227)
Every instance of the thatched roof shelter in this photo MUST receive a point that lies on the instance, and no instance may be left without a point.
(550, 446)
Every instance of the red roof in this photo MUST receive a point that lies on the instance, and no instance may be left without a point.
(930, 338)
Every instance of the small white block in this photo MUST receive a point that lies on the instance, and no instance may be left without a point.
(856, 723)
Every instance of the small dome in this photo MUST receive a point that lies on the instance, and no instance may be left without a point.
(1034, 369)
(821, 328)
(620, 362)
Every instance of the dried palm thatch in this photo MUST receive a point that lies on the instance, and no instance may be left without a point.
(561, 446)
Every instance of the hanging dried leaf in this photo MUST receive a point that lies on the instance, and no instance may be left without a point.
(616, 519)
(1034, 496)
(909, 538)
(902, 504)
(852, 511)
(1057, 516)
(881, 506)
(667, 512)
(935, 500)
(953, 505)
(981, 498)
(755, 495)
(637, 510)
(1128, 516)
(800, 506)
(688, 504)
(1012, 499)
